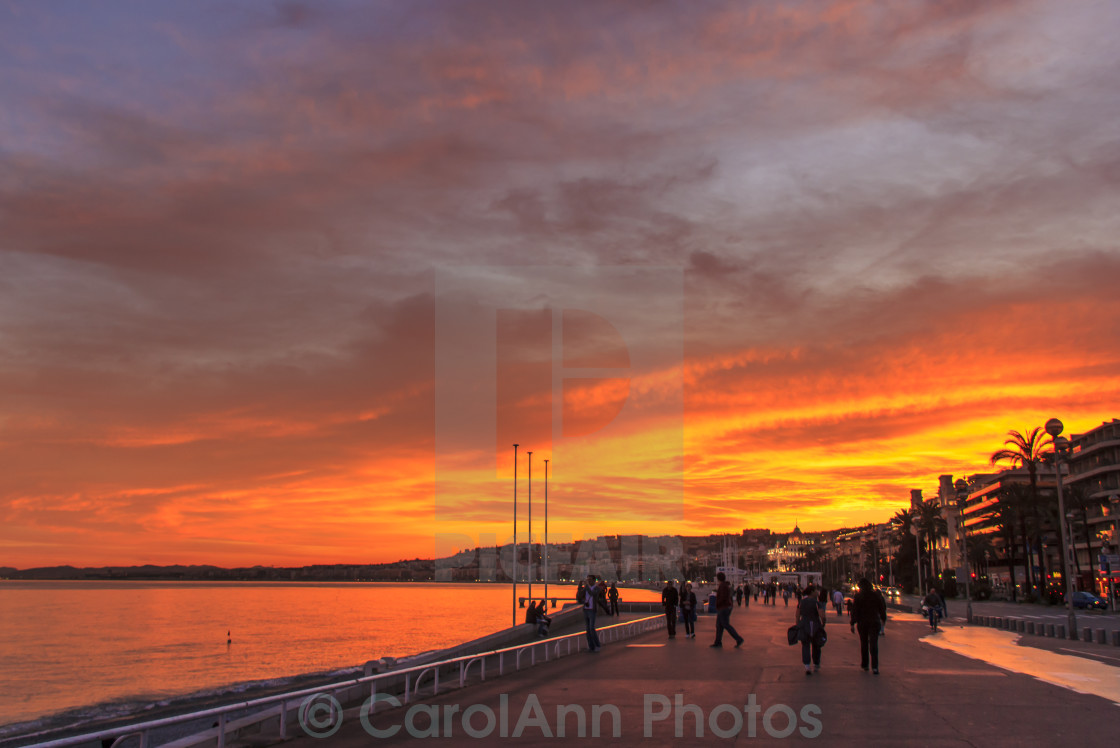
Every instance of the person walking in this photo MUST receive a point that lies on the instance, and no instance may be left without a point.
(612, 596)
(869, 615)
(688, 610)
(738, 596)
(588, 598)
(724, 605)
(838, 600)
(746, 594)
(810, 631)
(785, 593)
(669, 600)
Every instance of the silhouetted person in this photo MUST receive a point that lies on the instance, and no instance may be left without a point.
(587, 596)
(669, 600)
(811, 628)
(723, 612)
(869, 614)
(688, 610)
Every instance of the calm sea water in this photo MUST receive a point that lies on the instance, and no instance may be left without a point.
(117, 646)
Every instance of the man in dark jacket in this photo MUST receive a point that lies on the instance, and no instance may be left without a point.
(869, 613)
(669, 599)
(724, 604)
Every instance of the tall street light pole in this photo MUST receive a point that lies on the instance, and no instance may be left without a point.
(1054, 428)
(530, 569)
(546, 529)
(513, 573)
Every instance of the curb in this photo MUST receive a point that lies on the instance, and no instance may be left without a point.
(1050, 630)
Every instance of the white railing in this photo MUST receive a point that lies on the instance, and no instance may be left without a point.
(281, 704)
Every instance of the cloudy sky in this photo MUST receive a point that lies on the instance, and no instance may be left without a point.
(283, 282)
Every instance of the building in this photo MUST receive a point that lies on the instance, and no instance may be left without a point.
(792, 553)
(1093, 498)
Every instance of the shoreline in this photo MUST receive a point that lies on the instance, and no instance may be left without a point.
(100, 716)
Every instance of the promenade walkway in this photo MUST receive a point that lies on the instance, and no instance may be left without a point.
(926, 695)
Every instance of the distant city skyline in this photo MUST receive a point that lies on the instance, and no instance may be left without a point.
(284, 283)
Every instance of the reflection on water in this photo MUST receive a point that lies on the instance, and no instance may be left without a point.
(1001, 648)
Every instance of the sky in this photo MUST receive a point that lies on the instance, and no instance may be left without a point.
(282, 283)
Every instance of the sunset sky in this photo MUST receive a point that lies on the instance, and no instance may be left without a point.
(282, 283)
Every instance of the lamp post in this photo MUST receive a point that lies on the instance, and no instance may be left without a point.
(962, 496)
(529, 570)
(1072, 548)
(513, 572)
(546, 529)
(1054, 427)
(988, 565)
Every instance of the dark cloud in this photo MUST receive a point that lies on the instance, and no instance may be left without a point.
(218, 239)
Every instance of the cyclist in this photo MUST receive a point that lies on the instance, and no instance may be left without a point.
(934, 605)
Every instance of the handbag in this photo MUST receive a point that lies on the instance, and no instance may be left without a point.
(820, 637)
(793, 634)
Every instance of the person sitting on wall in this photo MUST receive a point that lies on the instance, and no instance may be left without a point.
(543, 620)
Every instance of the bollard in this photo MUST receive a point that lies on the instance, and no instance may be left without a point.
(1050, 630)
(1086, 635)
(1115, 636)
(1101, 634)
(1060, 631)
(1030, 628)
(1021, 627)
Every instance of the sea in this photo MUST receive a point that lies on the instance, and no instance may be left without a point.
(82, 652)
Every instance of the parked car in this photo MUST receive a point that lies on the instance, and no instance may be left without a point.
(1088, 600)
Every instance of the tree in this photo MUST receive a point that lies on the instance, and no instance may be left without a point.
(1006, 515)
(1025, 450)
(979, 550)
(933, 526)
(869, 549)
(901, 523)
(1079, 500)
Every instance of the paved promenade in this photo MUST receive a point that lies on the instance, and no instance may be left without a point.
(926, 695)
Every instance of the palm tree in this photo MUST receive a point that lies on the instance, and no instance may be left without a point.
(1018, 498)
(1006, 514)
(870, 549)
(979, 546)
(1025, 450)
(933, 526)
(901, 522)
(1078, 498)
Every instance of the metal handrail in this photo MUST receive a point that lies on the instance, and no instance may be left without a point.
(144, 728)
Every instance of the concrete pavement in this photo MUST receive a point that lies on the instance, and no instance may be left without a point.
(655, 691)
